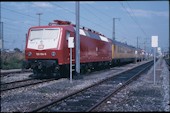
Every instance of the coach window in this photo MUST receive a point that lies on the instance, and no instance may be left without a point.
(67, 34)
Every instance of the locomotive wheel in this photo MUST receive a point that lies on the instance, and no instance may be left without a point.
(64, 71)
(37, 73)
(84, 69)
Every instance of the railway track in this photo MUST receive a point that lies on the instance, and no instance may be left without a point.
(89, 98)
(7, 73)
(21, 83)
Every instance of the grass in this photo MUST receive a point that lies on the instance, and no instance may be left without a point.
(11, 60)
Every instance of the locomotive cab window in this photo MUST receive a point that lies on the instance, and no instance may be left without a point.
(35, 34)
(39, 34)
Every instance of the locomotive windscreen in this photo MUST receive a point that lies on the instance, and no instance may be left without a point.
(43, 38)
(44, 34)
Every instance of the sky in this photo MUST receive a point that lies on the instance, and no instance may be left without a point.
(142, 19)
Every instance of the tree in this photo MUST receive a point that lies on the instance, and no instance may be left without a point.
(17, 50)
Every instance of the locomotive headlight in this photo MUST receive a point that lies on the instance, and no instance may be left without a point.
(53, 53)
(29, 53)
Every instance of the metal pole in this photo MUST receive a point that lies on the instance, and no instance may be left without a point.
(137, 42)
(25, 41)
(136, 54)
(114, 28)
(2, 38)
(70, 65)
(145, 49)
(154, 65)
(1, 35)
(77, 74)
(39, 17)
(136, 51)
(135, 58)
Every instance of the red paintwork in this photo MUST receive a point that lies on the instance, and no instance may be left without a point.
(88, 46)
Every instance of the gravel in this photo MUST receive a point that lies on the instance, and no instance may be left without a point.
(143, 94)
(15, 77)
(26, 99)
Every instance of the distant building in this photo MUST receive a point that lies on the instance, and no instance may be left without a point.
(159, 51)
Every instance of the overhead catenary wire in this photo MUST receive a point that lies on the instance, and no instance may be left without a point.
(88, 20)
(133, 19)
(72, 12)
(14, 20)
(123, 34)
(21, 13)
(145, 41)
(62, 8)
(66, 10)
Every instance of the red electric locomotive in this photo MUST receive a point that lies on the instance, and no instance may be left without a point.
(47, 48)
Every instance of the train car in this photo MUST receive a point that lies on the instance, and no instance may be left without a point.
(47, 49)
(140, 54)
(122, 53)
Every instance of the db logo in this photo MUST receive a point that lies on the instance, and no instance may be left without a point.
(40, 46)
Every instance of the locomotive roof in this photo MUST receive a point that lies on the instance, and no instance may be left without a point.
(90, 33)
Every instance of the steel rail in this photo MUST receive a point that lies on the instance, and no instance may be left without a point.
(25, 85)
(76, 92)
(119, 88)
